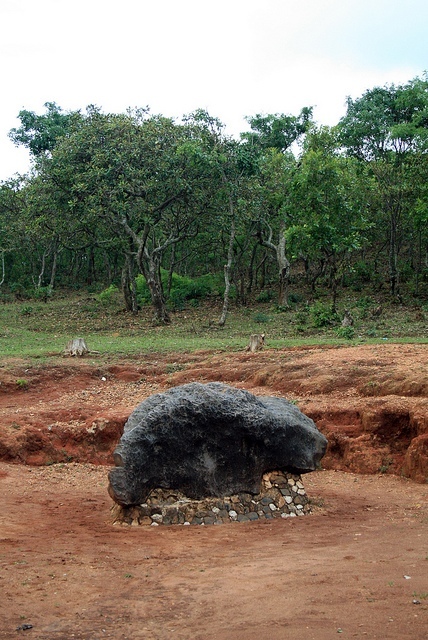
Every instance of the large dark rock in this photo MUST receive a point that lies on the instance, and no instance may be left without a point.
(211, 440)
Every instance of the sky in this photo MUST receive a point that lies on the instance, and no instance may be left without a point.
(234, 58)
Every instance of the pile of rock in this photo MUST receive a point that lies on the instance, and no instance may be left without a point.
(282, 495)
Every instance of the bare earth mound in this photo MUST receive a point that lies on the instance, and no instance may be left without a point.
(357, 566)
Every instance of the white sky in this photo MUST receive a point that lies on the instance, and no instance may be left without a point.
(232, 57)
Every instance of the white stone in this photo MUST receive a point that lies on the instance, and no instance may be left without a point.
(272, 507)
(299, 506)
(156, 517)
(186, 523)
(155, 524)
(288, 499)
(300, 484)
(232, 514)
(215, 510)
(301, 492)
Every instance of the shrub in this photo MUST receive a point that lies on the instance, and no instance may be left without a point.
(294, 298)
(43, 293)
(345, 332)
(265, 296)
(26, 310)
(322, 315)
(261, 318)
(183, 289)
(108, 295)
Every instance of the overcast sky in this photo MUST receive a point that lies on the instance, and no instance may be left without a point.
(232, 57)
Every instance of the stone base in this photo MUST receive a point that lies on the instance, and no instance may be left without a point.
(282, 496)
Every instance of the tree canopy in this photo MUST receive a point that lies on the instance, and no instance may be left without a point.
(124, 198)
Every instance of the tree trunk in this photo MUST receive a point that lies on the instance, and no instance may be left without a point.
(91, 275)
(149, 264)
(227, 270)
(282, 261)
(3, 270)
(284, 270)
(42, 272)
(128, 286)
(393, 257)
(53, 270)
(251, 270)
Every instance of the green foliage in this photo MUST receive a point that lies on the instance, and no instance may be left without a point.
(265, 296)
(348, 333)
(322, 315)
(26, 310)
(43, 293)
(40, 132)
(155, 193)
(143, 291)
(365, 302)
(277, 131)
(109, 295)
(302, 316)
(361, 273)
(294, 298)
(183, 289)
(261, 318)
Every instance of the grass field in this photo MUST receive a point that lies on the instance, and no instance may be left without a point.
(37, 329)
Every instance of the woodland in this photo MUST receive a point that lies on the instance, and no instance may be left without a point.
(168, 212)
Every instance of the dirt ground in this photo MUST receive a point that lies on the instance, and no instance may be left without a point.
(357, 566)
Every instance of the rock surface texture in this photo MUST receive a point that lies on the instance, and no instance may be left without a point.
(211, 440)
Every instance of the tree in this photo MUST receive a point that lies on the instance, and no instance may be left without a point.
(274, 217)
(138, 178)
(40, 133)
(10, 214)
(277, 131)
(272, 136)
(328, 203)
(386, 127)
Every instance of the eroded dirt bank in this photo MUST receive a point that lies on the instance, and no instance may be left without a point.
(370, 401)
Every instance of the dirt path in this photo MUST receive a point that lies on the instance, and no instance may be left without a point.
(358, 566)
(71, 574)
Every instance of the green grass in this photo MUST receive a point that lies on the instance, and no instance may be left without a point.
(39, 330)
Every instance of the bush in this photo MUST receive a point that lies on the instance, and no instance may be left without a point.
(294, 298)
(362, 273)
(183, 289)
(43, 293)
(345, 332)
(261, 318)
(26, 310)
(108, 295)
(322, 315)
(265, 296)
